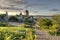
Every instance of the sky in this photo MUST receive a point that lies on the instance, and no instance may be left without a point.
(35, 7)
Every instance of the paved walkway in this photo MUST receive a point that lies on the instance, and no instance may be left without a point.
(43, 35)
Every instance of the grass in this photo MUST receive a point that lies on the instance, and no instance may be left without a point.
(15, 31)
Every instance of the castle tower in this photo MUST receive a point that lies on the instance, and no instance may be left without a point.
(6, 13)
(6, 17)
(21, 16)
(20, 13)
(26, 13)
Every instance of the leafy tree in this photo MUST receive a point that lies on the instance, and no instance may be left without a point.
(13, 18)
(2, 16)
(56, 24)
(44, 21)
(56, 19)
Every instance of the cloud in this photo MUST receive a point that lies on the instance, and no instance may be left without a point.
(22, 4)
(54, 10)
(43, 3)
(13, 4)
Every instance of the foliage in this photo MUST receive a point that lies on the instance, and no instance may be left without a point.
(44, 23)
(30, 35)
(52, 25)
(16, 33)
(56, 24)
(2, 16)
(13, 18)
(56, 19)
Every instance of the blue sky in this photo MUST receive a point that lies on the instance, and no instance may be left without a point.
(35, 7)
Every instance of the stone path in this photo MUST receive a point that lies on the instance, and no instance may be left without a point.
(43, 35)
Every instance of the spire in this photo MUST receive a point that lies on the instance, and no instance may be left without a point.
(26, 12)
(20, 13)
(6, 13)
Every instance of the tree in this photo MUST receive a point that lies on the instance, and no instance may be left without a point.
(13, 18)
(44, 21)
(56, 19)
(56, 23)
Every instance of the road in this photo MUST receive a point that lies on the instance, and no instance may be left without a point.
(15, 23)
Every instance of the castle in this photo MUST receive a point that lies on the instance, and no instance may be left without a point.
(20, 17)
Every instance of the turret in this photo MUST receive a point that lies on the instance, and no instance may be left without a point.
(6, 13)
(26, 13)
